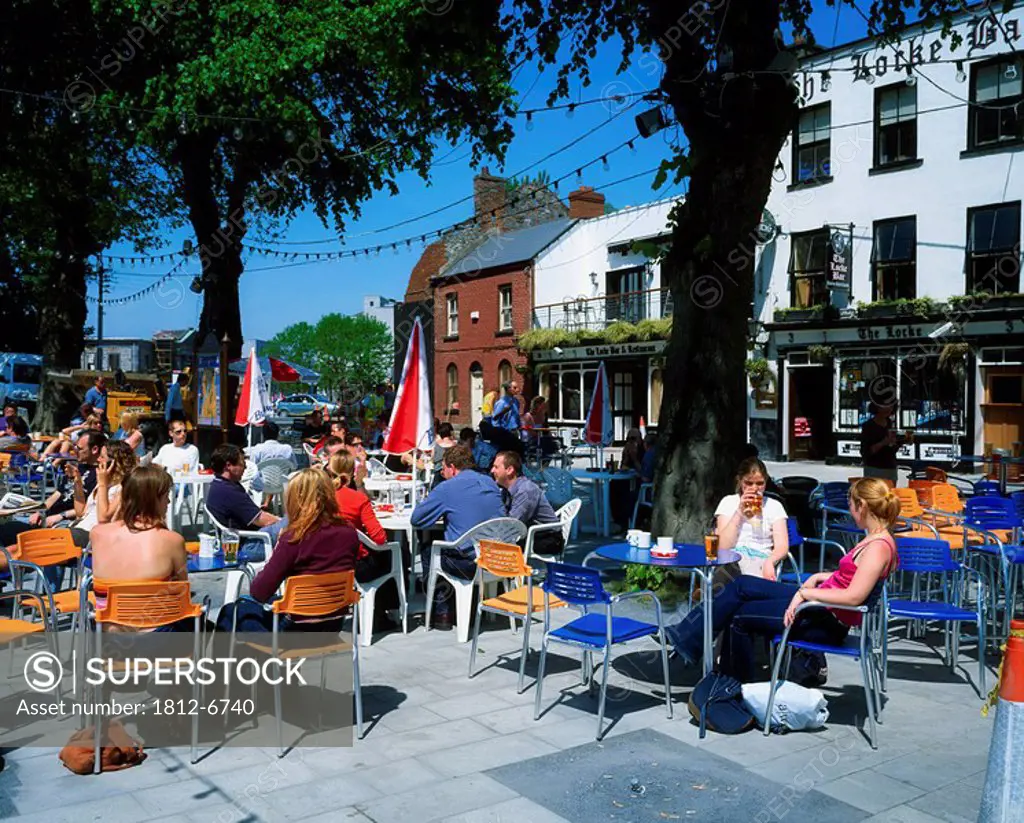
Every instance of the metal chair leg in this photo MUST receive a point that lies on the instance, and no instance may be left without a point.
(476, 636)
(664, 668)
(525, 652)
(869, 701)
(540, 676)
(604, 691)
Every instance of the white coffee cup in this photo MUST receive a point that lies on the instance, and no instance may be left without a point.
(665, 544)
(207, 545)
(644, 541)
(633, 536)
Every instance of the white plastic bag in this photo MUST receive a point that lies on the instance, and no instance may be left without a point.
(796, 708)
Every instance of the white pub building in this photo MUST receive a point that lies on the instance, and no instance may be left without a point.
(891, 270)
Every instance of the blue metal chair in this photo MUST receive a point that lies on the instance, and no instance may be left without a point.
(919, 556)
(995, 519)
(860, 646)
(22, 473)
(581, 587)
(834, 499)
(986, 488)
(797, 541)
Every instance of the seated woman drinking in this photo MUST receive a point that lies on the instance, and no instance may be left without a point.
(751, 607)
(316, 541)
(751, 524)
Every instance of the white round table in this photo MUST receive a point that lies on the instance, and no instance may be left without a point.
(197, 483)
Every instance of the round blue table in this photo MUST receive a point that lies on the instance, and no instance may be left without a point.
(196, 563)
(690, 556)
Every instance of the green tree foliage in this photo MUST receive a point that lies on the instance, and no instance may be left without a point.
(724, 76)
(316, 103)
(66, 192)
(351, 352)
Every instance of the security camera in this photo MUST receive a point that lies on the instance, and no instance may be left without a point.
(944, 330)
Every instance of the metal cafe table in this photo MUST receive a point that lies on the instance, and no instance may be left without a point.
(690, 556)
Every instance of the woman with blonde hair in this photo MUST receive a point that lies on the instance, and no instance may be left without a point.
(316, 541)
(130, 433)
(751, 607)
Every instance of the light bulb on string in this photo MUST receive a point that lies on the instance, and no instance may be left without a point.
(76, 117)
(130, 123)
(289, 135)
(961, 75)
(19, 105)
(183, 125)
(238, 134)
(604, 163)
(570, 111)
(911, 79)
(632, 147)
(394, 248)
(869, 78)
(826, 81)
(529, 121)
(1011, 71)
(579, 175)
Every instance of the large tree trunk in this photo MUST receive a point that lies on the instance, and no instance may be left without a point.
(735, 136)
(61, 321)
(220, 242)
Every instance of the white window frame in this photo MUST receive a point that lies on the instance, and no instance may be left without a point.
(451, 304)
(505, 307)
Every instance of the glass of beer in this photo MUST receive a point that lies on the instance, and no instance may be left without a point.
(711, 546)
(229, 543)
(184, 468)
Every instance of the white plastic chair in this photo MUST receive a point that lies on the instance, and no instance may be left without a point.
(368, 590)
(233, 584)
(502, 529)
(566, 518)
(274, 472)
(645, 498)
(375, 466)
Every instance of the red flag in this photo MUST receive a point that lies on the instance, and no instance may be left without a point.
(253, 402)
(598, 431)
(412, 421)
(282, 372)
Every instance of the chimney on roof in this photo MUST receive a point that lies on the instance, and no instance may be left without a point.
(488, 197)
(585, 203)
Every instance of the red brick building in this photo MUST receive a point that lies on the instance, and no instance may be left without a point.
(483, 297)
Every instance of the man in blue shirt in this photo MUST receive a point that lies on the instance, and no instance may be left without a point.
(466, 499)
(97, 395)
(507, 421)
(525, 501)
(233, 508)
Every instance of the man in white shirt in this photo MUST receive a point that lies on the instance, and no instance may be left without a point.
(270, 449)
(177, 455)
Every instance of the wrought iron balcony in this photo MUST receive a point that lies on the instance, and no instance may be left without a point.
(596, 313)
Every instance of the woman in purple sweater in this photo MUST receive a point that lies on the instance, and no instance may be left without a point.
(317, 541)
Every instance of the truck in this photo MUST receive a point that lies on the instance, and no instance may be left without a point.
(20, 376)
(144, 397)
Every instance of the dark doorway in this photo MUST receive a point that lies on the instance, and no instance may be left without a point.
(810, 413)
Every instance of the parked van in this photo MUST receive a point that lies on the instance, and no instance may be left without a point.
(20, 376)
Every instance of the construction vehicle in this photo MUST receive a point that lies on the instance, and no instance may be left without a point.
(141, 394)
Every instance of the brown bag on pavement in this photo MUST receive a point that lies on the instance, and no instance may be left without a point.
(125, 752)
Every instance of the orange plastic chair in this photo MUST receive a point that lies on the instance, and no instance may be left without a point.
(505, 561)
(146, 605)
(936, 474)
(50, 547)
(315, 595)
(912, 513)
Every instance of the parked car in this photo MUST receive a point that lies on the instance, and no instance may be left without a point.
(299, 405)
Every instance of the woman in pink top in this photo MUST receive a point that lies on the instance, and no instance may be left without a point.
(751, 607)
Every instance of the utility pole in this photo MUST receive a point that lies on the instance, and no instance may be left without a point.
(99, 318)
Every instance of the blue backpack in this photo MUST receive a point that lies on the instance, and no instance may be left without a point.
(716, 703)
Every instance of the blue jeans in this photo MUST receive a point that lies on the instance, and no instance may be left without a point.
(746, 608)
(255, 551)
(252, 617)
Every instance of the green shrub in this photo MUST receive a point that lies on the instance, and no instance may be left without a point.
(639, 577)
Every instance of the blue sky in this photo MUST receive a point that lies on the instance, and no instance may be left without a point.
(272, 297)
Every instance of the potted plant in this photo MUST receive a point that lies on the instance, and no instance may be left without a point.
(819, 354)
(953, 357)
(759, 372)
(789, 315)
